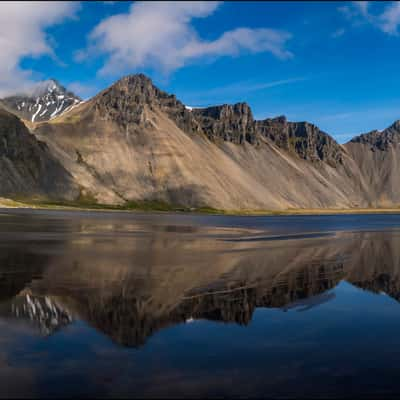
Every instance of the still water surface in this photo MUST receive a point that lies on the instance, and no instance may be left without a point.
(147, 305)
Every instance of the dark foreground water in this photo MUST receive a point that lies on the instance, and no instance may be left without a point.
(118, 304)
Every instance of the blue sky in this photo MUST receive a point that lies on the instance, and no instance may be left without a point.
(334, 64)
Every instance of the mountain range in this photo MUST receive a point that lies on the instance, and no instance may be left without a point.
(135, 142)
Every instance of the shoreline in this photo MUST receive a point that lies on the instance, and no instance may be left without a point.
(164, 208)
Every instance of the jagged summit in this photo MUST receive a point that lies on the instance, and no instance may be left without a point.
(128, 100)
(380, 140)
(303, 138)
(42, 102)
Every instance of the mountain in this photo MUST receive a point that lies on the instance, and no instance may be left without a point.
(43, 102)
(377, 154)
(27, 168)
(135, 142)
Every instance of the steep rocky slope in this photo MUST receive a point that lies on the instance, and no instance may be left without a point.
(26, 166)
(378, 156)
(135, 142)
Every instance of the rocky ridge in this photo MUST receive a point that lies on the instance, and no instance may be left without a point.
(380, 140)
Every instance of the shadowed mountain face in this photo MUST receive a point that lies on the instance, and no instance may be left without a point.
(26, 165)
(130, 279)
(135, 142)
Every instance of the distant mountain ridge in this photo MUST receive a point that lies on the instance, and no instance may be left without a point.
(135, 142)
(43, 102)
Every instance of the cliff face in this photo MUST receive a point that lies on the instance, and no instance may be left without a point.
(127, 100)
(235, 123)
(230, 123)
(380, 140)
(26, 166)
(302, 138)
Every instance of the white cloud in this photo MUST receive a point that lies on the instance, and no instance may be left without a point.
(387, 20)
(83, 90)
(22, 34)
(390, 19)
(362, 7)
(160, 35)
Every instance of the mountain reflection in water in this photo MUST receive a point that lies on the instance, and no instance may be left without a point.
(130, 279)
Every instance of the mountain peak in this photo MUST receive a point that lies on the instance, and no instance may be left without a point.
(44, 87)
(135, 83)
(137, 77)
(380, 140)
(303, 138)
(42, 102)
(126, 101)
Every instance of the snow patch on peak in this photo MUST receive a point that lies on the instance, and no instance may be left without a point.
(45, 100)
(36, 113)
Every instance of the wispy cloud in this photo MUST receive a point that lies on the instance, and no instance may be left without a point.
(23, 33)
(237, 89)
(246, 86)
(388, 20)
(389, 112)
(344, 115)
(338, 33)
(160, 35)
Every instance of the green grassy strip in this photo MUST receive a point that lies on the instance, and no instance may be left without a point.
(89, 203)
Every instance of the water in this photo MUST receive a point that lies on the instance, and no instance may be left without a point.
(147, 305)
